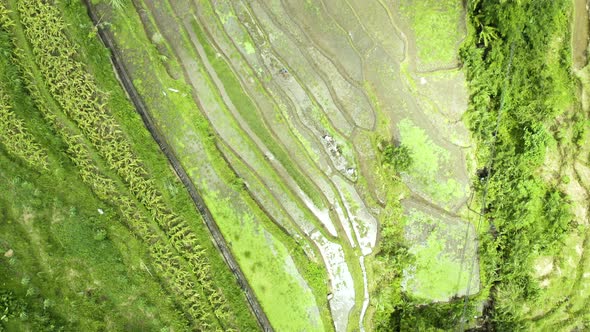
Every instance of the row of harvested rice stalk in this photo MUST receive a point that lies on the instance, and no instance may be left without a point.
(167, 263)
(76, 93)
(16, 138)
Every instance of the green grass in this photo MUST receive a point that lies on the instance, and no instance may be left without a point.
(71, 266)
(75, 260)
(436, 273)
(435, 24)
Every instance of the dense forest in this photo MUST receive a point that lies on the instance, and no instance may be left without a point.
(518, 61)
(517, 92)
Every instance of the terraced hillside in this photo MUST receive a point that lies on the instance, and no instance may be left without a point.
(290, 165)
(297, 98)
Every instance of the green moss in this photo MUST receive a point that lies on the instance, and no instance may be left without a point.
(429, 163)
(436, 26)
(435, 274)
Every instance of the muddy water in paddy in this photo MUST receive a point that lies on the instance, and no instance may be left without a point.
(324, 78)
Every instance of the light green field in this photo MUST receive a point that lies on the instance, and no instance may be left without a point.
(267, 263)
(437, 272)
(430, 163)
(436, 25)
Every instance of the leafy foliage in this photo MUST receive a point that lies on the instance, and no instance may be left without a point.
(17, 139)
(530, 215)
(400, 157)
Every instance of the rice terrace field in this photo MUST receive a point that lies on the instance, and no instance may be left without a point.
(294, 165)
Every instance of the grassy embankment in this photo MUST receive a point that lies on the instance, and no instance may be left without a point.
(107, 267)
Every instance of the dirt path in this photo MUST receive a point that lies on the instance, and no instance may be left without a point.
(219, 241)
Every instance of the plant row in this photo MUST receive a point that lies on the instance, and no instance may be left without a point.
(165, 258)
(166, 261)
(78, 96)
(17, 139)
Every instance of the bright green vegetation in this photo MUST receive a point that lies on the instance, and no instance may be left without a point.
(436, 25)
(432, 280)
(427, 160)
(400, 157)
(98, 143)
(530, 215)
(392, 258)
(428, 156)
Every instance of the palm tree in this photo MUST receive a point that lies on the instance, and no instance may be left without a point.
(117, 4)
(487, 35)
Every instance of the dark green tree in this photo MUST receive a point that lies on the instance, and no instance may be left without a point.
(400, 157)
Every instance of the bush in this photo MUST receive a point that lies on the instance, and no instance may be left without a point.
(400, 157)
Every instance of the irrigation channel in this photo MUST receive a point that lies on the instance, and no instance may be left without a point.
(219, 240)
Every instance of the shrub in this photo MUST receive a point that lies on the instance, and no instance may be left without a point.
(400, 157)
